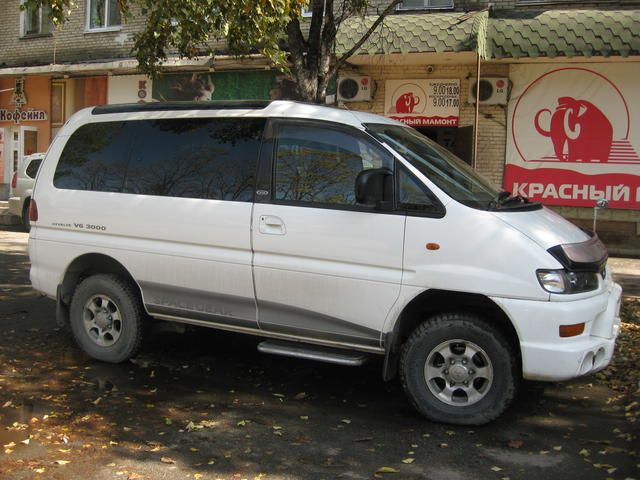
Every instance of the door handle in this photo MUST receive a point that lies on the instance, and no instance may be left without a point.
(272, 225)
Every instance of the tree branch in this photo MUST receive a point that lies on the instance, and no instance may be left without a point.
(342, 60)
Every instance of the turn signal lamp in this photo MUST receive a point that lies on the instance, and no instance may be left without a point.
(571, 330)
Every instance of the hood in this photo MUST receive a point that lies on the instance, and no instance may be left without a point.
(544, 226)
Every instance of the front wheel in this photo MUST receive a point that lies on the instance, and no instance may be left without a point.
(106, 318)
(458, 368)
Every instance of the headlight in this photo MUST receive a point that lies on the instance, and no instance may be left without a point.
(561, 281)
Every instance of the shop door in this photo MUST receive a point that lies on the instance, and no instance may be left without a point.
(23, 141)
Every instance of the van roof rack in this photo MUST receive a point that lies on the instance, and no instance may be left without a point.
(166, 106)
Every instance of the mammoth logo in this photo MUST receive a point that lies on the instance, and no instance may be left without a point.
(579, 131)
(586, 121)
(407, 102)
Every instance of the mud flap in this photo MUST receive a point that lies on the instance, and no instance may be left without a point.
(62, 309)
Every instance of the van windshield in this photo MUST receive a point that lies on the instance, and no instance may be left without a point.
(448, 172)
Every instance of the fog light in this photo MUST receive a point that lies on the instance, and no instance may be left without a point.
(571, 330)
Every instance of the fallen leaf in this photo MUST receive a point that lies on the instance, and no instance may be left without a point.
(516, 443)
(168, 460)
(387, 470)
(408, 460)
(300, 396)
(496, 469)
(346, 420)
(304, 417)
(62, 462)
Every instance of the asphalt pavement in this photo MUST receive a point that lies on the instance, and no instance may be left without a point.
(203, 404)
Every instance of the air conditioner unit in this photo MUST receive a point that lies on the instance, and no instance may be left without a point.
(354, 88)
(493, 90)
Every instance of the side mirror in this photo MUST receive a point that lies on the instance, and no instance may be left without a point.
(374, 188)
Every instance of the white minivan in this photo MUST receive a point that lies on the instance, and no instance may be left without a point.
(336, 235)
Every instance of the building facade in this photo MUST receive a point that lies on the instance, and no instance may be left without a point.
(555, 77)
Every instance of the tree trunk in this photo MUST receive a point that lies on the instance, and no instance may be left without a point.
(313, 62)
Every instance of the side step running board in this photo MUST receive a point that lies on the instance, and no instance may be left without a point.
(313, 352)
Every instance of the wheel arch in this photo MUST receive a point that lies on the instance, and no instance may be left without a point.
(82, 267)
(435, 301)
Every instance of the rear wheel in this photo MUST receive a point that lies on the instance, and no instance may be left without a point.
(458, 368)
(26, 224)
(107, 318)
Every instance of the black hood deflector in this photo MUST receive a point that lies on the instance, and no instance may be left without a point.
(588, 256)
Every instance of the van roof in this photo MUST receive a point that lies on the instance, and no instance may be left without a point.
(238, 108)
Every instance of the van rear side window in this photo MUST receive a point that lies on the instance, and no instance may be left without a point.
(32, 168)
(193, 158)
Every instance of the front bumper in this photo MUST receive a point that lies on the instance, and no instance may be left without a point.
(15, 206)
(546, 355)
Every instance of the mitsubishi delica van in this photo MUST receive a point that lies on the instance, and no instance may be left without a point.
(334, 235)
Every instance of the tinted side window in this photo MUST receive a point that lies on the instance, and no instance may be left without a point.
(320, 165)
(32, 168)
(414, 196)
(92, 157)
(194, 158)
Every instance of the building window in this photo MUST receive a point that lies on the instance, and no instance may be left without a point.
(103, 15)
(36, 21)
(424, 4)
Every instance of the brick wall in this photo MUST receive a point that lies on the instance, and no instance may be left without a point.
(492, 139)
(72, 43)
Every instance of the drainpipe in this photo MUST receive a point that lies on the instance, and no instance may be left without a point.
(477, 116)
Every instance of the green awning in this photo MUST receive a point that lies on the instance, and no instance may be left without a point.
(410, 33)
(564, 33)
(503, 34)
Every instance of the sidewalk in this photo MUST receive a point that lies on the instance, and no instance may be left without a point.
(626, 271)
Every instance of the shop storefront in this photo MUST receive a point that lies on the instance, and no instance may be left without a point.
(25, 128)
(68, 95)
(225, 85)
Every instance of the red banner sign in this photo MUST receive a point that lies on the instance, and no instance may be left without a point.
(423, 103)
(573, 135)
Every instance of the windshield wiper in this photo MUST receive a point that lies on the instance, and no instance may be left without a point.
(504, 199)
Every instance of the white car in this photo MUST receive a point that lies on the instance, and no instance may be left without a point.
(21, 188)
(335, 234)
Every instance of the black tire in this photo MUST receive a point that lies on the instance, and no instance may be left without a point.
(26, 224)
(124, 299)
(498, 393)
